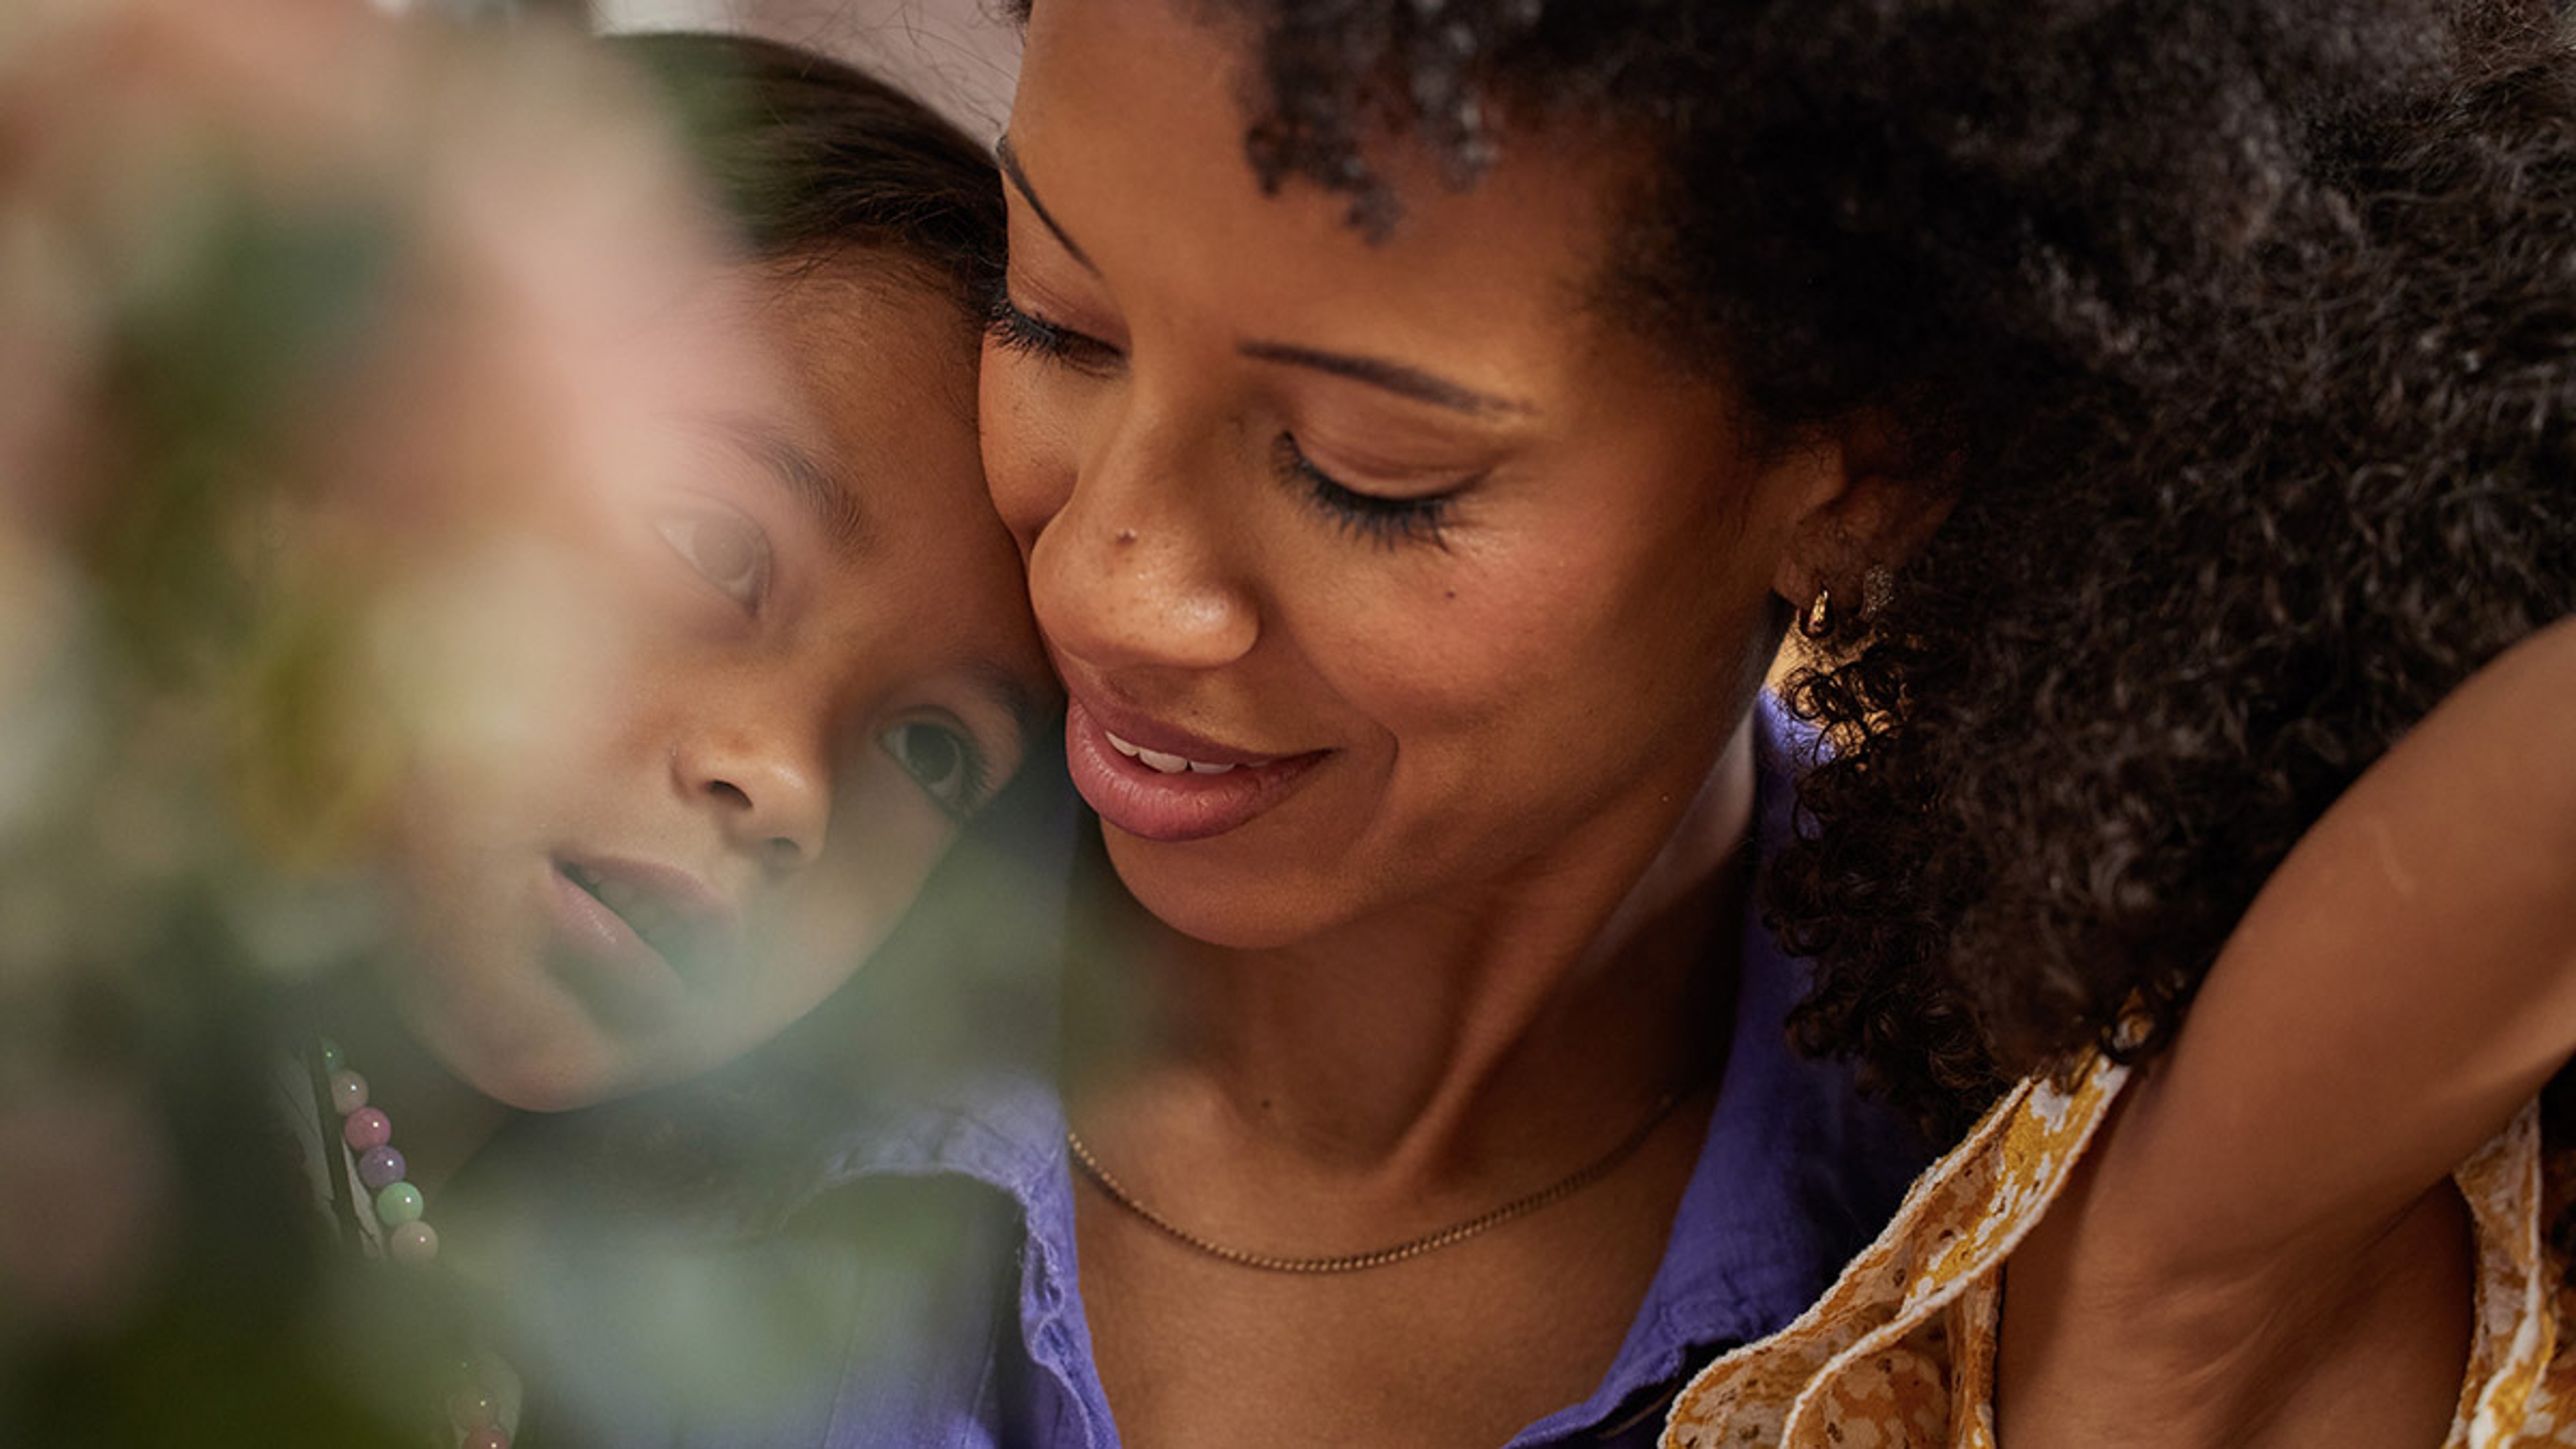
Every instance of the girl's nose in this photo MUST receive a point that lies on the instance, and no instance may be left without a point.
(770, 792)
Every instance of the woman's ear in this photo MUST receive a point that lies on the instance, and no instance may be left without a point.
(1893, 490)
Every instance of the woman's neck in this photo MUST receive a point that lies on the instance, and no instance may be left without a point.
(439, 1122)
(1420, 1042)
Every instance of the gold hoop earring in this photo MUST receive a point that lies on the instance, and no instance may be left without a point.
(1818, 620)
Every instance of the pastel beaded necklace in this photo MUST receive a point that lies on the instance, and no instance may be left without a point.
(389, 1217)
(368, 1132)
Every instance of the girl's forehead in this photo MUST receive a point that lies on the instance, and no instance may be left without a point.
(878, 439)
(883, 381)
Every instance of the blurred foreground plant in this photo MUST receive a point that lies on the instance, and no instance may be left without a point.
(295, 301)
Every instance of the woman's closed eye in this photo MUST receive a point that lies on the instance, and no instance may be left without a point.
(1016, 329)
(1377, 517)
(943, 761)
(724, 546)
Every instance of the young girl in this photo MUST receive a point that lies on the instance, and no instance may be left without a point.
(628, 617)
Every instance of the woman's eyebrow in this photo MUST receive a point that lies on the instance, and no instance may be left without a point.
(832, 504)
(1019, 180)
(1395, 377)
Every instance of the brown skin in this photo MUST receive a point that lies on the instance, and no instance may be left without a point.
(786, 733)
(2265, 1248)
(1381, 1005)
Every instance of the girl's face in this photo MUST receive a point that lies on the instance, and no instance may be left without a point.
(1376, 573)
(807, 659)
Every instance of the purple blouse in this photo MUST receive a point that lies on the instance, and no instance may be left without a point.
(1796, 1174)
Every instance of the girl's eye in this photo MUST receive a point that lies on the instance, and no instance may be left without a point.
(1016, 330)
(726, 548)
(1388, 521)
(942, 761)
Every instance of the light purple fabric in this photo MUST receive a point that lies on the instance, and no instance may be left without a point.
(1796, 1174)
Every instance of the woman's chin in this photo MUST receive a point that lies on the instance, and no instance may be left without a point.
(1192, 890)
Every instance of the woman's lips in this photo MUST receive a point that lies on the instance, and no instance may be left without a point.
(1159, 784)
(1165, 764)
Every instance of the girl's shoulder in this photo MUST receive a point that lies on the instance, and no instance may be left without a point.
(1903, 1344)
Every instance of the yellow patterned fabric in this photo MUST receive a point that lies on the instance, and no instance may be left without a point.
(1901, 1350)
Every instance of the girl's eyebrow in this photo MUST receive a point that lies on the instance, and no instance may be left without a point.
(1030, 713)
(833, 505)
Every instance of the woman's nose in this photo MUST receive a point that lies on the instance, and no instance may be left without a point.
(1133, 569)
(771, 794)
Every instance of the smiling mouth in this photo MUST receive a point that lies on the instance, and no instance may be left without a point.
(673, 936)
(1162, 763)
(1168, 797)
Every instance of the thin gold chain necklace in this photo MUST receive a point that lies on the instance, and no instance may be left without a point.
(1564, 1187)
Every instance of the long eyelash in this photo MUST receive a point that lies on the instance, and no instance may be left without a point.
(977, 787)
(1385, 521)
(1006, 324)
(1020, 331)
(979, 778)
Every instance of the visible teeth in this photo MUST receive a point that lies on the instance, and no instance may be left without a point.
(1166, 764)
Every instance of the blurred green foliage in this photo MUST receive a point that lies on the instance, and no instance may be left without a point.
(172, 748)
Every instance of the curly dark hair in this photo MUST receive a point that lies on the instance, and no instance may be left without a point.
(814, 158)
(2242, 337)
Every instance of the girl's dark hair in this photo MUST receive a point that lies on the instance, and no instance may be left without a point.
(814, 158)
(2242, 336)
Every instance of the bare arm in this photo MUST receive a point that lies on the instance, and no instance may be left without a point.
(2405, 981)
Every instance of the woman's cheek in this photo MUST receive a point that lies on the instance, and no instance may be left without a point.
(1029, 429)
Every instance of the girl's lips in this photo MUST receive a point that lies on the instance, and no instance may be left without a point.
(606, 964)
(603, 911)
(676, 913)
(1159, 785)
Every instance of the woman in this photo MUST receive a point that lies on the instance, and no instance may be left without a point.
(588, 652)
(1420, 424)
(1413, 597)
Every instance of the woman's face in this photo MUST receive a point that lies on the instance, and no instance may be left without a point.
(1376, 572)
(808, 660)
